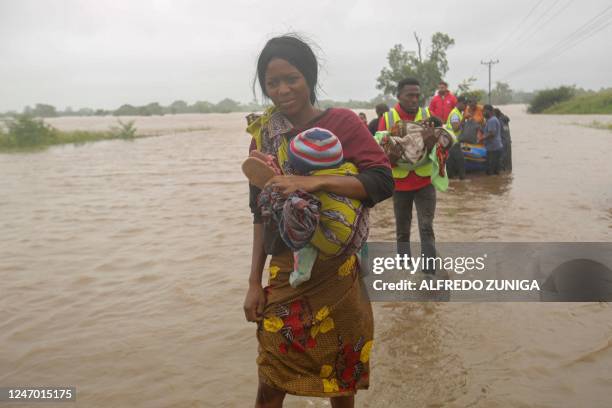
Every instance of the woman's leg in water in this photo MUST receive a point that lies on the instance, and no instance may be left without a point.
(343, 402)
(268, 397)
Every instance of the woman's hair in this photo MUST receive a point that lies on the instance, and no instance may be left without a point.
(294, 50)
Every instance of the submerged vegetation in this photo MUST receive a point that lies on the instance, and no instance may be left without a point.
(597, 125)
(125, 130)
(25, 132)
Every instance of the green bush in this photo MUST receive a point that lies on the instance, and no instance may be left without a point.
(587, 103)
(125, 130)
(550, 97)
(477, 94)
(4, 137)
(26, 131)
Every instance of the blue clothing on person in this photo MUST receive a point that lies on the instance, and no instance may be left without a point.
(493, 126)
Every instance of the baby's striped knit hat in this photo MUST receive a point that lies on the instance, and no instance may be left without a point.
(314, 149)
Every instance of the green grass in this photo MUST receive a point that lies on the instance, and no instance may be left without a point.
(25, 133)
(591, 103)
(596, 125)
(8, 143)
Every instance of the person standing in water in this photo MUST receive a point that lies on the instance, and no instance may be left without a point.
(363, 118)
(455, 164)
(443, 103)
(412, 187)
(314, 340)
(381, 109)
(492, 140)
(504, 120)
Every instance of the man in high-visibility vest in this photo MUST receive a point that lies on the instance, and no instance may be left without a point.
(455, 165)
(412, 187)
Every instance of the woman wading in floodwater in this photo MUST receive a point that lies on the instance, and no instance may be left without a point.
(315, 339)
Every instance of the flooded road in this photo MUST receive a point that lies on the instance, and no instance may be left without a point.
(124, 266)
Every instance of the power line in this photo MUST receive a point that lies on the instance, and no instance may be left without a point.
(544, 24)
(504, 42)
(592, 33)
(511, 33)
(585, 31)
(563, 46)
(529, 32)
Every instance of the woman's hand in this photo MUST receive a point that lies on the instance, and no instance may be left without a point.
(288, 184)
(345, 186)
(254, 303)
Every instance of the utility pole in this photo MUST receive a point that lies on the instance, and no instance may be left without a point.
(491, 62)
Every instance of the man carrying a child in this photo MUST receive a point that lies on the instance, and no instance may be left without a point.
(414, 187)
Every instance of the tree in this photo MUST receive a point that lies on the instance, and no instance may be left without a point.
(465, 89)
(465, 86)
(153, 108)
(178, 107)
(253, 106)
(126, 110)
(85, 112)
(26, 130)
(548, 97)
(227, 105)
(501, 94)
(201, 107)
(440, 42)
(522, 96)
(44, 111)
(428, 71)
(380, 98)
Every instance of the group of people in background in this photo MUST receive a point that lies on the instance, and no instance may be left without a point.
(468, 121)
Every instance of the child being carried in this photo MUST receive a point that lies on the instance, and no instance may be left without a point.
(320, 224)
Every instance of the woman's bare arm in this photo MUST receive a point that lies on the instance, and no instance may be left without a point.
(258, 257)
(255, 298)
(345, 186)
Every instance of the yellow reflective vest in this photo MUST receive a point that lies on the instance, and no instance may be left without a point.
(400, 172)
(449, 125)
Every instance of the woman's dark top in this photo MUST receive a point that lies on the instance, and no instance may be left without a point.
(359, 148)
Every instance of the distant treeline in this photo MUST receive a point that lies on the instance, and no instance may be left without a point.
(227, 105)
(501, 95)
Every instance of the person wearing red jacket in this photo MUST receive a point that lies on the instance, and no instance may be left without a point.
(443, 103)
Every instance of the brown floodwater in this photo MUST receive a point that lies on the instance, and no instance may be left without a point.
(124, 266)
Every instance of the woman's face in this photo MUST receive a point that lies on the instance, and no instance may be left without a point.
(287, 87)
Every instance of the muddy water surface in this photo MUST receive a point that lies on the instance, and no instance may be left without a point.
(124, 264)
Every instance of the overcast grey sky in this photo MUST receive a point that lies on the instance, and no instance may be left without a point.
(102, 54)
